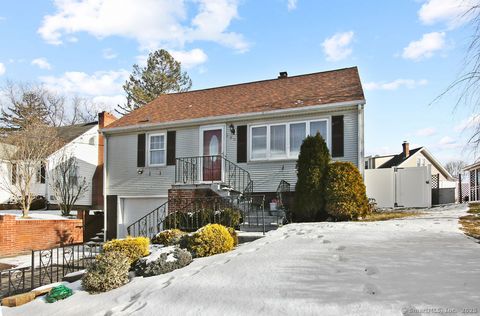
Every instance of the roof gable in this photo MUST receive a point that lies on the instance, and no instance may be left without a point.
(320, 88)
(70, 132)
(400, 158)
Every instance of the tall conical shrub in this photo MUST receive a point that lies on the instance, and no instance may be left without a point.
(310, 189)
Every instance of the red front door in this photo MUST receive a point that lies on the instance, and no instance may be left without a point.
(212, 149)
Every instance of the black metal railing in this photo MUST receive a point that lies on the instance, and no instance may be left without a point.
(193, 213)
(47, 266)
(189, 214)
(15, 281)
(150, 224)
(215, 168)
(282, 188)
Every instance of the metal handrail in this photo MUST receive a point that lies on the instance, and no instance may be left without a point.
(283, 187)
(187, 172)
(145, 226)
(192, 170)
(188, 211)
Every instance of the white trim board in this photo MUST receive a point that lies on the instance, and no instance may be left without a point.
(236, 117)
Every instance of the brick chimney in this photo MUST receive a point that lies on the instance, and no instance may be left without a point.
(406, 149)
(104, 119)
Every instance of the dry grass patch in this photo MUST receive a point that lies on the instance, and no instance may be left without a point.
(471, 223)
(385, 216)
(474, 211)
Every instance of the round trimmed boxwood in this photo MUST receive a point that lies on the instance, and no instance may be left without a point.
(133, 248)
(210, 240)
(168, 237)
(345, 194)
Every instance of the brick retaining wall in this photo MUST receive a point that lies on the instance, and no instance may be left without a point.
(179, 197)
(18, 236)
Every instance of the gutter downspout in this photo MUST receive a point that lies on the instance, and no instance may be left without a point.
(361, 140)
(104, 189)
(47, 168)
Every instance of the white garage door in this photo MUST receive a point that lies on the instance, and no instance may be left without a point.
(132, 209)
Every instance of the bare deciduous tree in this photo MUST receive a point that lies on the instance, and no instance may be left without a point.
(65, 182)
(25, 102)
(25, 150)
(55, 105)
(468, 82)
(455, 167)
(84, 110)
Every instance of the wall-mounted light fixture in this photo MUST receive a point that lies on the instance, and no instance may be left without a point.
(140, 171)
(232, 129)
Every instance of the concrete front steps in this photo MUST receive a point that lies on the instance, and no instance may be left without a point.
(254, 222)
(257, 228)
(98, 239)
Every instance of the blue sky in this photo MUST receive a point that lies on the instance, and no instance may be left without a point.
(407, 51)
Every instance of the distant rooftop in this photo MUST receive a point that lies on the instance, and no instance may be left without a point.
(70, 132)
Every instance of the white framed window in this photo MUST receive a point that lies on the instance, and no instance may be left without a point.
(258, 141)
(283, 140)
(157, 153)
(278, 141)
(297, 135)
(319, 127)
(421, 162)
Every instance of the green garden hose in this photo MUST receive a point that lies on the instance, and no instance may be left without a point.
(58, 293)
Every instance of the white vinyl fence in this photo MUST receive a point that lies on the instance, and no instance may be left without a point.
(400, 187)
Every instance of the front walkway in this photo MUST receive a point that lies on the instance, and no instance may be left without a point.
(376, 268)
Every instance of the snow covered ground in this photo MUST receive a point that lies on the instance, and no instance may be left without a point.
(411, 266)
(39, 214)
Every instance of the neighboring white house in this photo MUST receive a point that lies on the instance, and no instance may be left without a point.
(82, 142)
(407, 179)
(474, 181)
(5, 175)
(228, 136)
(416, 157)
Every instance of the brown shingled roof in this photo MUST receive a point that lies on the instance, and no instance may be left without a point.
(319, 88)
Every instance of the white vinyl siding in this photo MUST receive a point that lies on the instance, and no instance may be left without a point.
(123, 178)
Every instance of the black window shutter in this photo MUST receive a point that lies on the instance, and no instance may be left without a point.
(14, 173)
(42, 172)
(141, 150)
(112, 216)
(171, 143)
(242, 143)
(337, 136)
